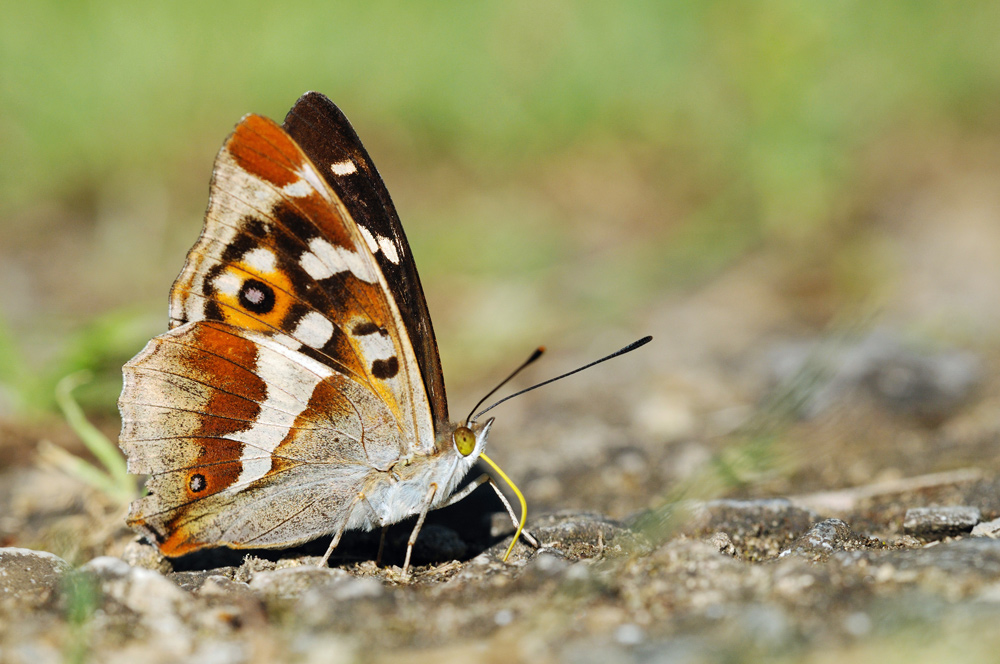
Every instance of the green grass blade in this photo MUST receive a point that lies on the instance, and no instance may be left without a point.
(100, 446)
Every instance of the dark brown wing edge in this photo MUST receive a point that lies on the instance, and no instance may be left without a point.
(327, 137)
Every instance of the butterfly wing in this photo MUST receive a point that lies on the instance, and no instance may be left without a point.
(246, 442)
(326, 136)
(280, 255)
(288, 376)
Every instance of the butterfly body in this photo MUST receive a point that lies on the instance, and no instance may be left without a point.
(298, 392)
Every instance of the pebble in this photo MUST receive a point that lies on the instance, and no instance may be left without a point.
(138, 553)
(291, 582)
(569, 526)
(144, 591)
(503, 617)
(353, 588)
(824, 538)
(989, 529)
(547, 563)
(857, 623)
(743, 518)
(630, 634)
(940, 522)
(29, 578)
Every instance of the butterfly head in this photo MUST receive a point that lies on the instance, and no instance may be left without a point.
(469, 439)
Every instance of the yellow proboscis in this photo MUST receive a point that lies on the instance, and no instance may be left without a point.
(520, 499)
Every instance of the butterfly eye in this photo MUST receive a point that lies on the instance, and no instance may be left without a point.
(465, 440)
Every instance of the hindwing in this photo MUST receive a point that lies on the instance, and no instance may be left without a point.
(246, 442)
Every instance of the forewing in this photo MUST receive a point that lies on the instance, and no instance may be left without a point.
(331, 143)
(281, 256)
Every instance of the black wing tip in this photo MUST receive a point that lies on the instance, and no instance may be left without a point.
(311, 96)
(313, 102)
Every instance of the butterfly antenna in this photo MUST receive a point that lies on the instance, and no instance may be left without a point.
(627, 349)
(534, 356)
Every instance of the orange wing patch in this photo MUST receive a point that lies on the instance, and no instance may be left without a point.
(255, 294)
(261, 147)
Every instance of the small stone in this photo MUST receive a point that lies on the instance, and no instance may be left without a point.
(749, 518)
(579, 572)
(159, 604)
(956, 568)
(321, 648)
(630, 634)
(579, 534)
(218, 585)
(940, 522)
(904, 542)
(503, 617)
(28, 578)
(548, 563)
(291, 582)
(824, 538)
(349, 602)
(253, 565)
(989, 594)
(138, 553)
(989, 529)
(723, 543)
(141, 590)
(355, 588)
(482, 559)
(193, 580)
(857, 623)
(107, 567)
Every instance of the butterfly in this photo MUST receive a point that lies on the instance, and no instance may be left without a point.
(298, 392)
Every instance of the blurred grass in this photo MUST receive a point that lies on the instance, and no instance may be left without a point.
(109, 474)
(645, 145)
(764, 101)
(97, 348)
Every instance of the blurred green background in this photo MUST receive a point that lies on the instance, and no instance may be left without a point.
(721, 175)
(561, 168)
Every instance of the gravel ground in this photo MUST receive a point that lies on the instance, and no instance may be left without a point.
(750, 486)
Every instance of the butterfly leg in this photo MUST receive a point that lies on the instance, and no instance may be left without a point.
(478, 482)
(467, 489)
(513, 517)
(416, 529)
(340, 531)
